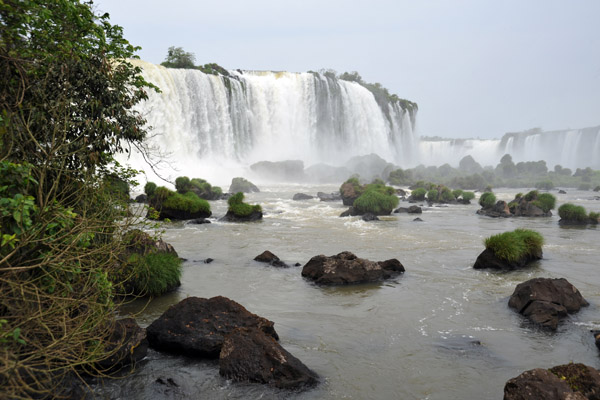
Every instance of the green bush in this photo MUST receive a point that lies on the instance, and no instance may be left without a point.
(487, 199)
(468, 196)
(153, 274)
(571, 212)
(189, 202)
(433, 195)
(446, 196)
(239, 208)
(531, 195)
(594, 215)
(150, 188)
(418, 194)
(457, 193)
(515, 245)
(376, 202)
(183, 184)
(545, 201)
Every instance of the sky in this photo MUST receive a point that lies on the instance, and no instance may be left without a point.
(476, 68)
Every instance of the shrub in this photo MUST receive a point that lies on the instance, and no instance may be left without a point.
(594, 216)
(239, 208)
(189, 202)
(183, 184)
(468, 196)
(457, 193)
(433, 195)
(516, 245)
(149, 188)
(153, 274)
(545, 201)
(571, 212)
(446, 196)
(531, 195)
(487, 199)
(376, 202)
(418, 194)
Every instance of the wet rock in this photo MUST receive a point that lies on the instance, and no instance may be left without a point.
(409, 210)
(198, 221)
(348, 193)
(231, 217)
(349, 212)
(208, 260)
(545, 301)
(139, 242)
(401, 192)
(562, 192)
(369, 217)
(142, 198)
(248, 355)
(242, 185)
(271, 259)
(196, 327)
(539, 384)
(329, 196)
(499, 210)
(488, 260)
(345, 268)
(581, 378)
(302, 196)
(127, 343)
(596, 338)
(417, 220)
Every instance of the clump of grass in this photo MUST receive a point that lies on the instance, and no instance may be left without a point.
(487, 199)
(516, 245)
(239, 208)
(153, 274)
(545, 201)
(457, 193)
(188, 202)
(594, 217)
(571, 212)
(376, 202)
(149, 188)
(446, 195)
(468, 196)
(419, 194)
(433, 195)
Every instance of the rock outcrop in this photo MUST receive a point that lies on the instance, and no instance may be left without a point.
(302, 196)
(197, 327)
(242, 185)
(499, 210)
(271, 259)
(345, 268)
(488, 260)
(248, 355)
(545, 301)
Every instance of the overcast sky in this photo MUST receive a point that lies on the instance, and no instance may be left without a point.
(477, 68)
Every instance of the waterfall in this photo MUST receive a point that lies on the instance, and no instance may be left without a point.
(206, 120)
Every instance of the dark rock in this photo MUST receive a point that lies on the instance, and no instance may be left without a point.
(127, 343)
(581, 378)
(231, 217)
(302, 196)
(539, 384)
(242, 185)
(297, 265)
(167, 382)
(597, 338)
(181, 215)
(329, 196)
(139, 242)
(288, 170)
(348, 213)
(401, 192)
(196, 327)
(488, 260)
(417, 220)
(409, 210)
(401, 210)
(345, 268)
(369, 217)
(562, 192)
(271, 259)
(499, 210)
(142, 198)
(348, 193)
(545, 301)
(208, 260)
(248, 355)
(198, 221)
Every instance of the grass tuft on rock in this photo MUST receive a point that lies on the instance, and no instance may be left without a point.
(376, 202)
(154, 274)
(241, 209)
(571, 212)
(516, 245)
(487, 199)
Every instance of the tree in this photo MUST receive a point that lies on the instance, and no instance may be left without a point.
(179, 58)
(67, 94)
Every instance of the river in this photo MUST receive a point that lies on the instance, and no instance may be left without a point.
(413, 337)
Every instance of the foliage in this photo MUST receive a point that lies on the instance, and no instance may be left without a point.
(67, 97)
(399, 177)
(433, 195)
(516, 245)
(594, 216)
(150, 188)
(545, 185)
(189, 202)
(487, 199)
(457, 193)
(446, 195)
(153, 274)
(183, 184)
(239, 208)
(375, 201)
(468, 196)
(179, 58)
(545, 201)
(531, 195)
(571, 212)
(418, 194)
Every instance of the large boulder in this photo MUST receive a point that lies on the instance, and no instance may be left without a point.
(345, 268)
(197, 327)
(127, 344)
(242, 185)
(288, 170)
(539, 384)
(499, 210)
(329, 196)
(545, 301)
(348, 193)
(248, 355)
(230, 216)
(302, 196)
(487, 259)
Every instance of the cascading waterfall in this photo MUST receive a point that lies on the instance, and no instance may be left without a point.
(579, 148)
(203, 119)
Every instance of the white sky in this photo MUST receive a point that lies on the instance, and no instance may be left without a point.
(477, 68)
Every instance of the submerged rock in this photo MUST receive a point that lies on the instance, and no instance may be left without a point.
(197, 327)
(345, 268)
(198, 221)
(302, 196)
(248, 355)
(369, 217)
(329, 196)
(545, 301)
(271, 259)
(230, 216)
(409, 210)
